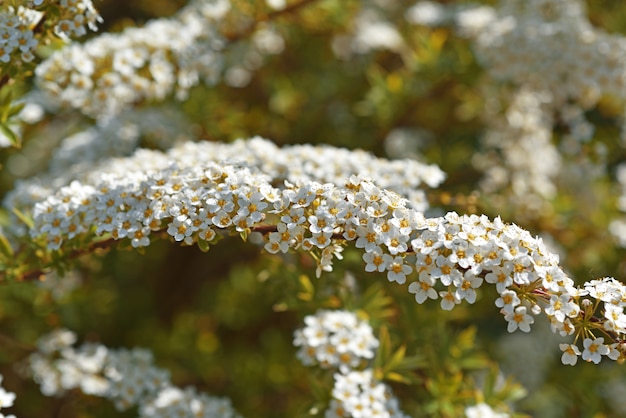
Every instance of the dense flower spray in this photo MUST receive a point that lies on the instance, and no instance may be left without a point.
(128, 378)
(445, 258)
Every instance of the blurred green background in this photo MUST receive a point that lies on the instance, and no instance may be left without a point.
(222, 321)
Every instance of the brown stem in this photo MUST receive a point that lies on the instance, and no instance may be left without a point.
(105, 244)
(4, 80)
(100, 245)
(6, 340)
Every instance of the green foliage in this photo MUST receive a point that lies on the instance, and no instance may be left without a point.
(221, 316)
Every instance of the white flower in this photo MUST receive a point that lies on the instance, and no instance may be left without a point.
(570, 353)
(6, 398)
(423, 288)
(376, 261)
(482, 410)
(561, 306)
(358, 394)
(465, 287)
(519, 319)
(448, 300)
(508, 300)
(397, 270)
(335, 339)
(594, 349)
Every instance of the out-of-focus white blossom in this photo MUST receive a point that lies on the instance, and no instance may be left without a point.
(357, 394)
(111, 71)
(18, 39)
(295, 164)
(188, 403)
(482, 410)
(6, 400)
(335, 339)
(126, 377)
(428, 13)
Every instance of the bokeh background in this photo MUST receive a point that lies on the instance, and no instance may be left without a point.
(223, 321)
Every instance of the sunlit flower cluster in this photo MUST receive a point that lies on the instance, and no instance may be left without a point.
(6, 400)
(17, 39)
(445, 259)
(549, 50)
(340, 340)
(111, 71)
(335, 339)
(359, 394)
(76, 17)
(300, 163)
(19, 36)
(126, 377)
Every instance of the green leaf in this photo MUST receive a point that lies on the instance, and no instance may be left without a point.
(307, 285)
(203, 245)
(5, 246)
(412, 363)
(384, 348)
(397, 377)
(395, 359)
(16, 109)
(6, 97)
(11, 136)
(473, 362)
(28, 221)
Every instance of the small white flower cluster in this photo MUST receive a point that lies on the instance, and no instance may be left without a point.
(482, 410)
(612, 294)
(561, 65)
(335, 339)
(358, 394)
(109, 72)
(301, 163)
(126, 377)
(76, 17)
(340, 340)
(6, 400)
(18, 39)
(188, 403)
(520, 152)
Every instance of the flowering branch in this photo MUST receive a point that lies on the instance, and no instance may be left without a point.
(446, 258)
